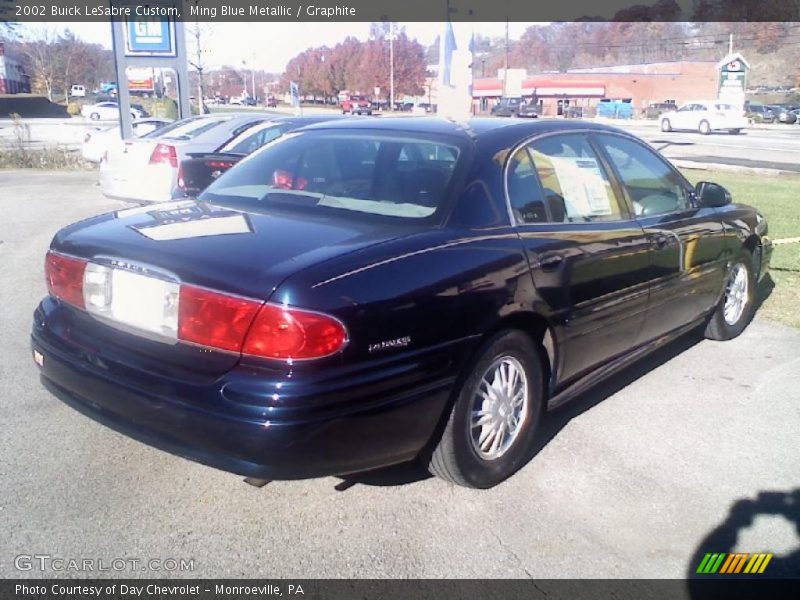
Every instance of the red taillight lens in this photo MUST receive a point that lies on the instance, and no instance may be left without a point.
(287, 181)
(181, 181)
(164, 154)
(65, 278)
(219, 164)
(213, 319)
(282, 332)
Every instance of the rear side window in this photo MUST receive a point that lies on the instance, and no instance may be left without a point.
(575, 185)
(342, 172)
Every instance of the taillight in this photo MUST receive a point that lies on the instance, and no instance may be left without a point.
(219, 164)
(164, 154)
(283, 332)
(181, 181)
(65, 277)
(285, 180)
(213, 319)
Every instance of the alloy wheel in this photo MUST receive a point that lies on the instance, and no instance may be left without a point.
(736, 294)
(500, 408)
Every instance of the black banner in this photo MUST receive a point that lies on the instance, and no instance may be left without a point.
(458, 589)
(399, 10)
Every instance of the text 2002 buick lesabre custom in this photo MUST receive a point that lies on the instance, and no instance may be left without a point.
(359, 294)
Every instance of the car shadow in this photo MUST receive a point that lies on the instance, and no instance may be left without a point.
(724, 539)
(552, 422)
(764, 290)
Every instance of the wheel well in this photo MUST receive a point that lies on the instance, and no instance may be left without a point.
(538, 329)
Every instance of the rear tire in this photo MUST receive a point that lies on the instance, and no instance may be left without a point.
(94, 116)
(737, 305)
(503, 388)
(666, 126)
(704, 127)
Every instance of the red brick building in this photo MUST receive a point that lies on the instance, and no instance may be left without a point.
(640, 84)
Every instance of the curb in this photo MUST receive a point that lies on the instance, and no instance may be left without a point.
(702, 166)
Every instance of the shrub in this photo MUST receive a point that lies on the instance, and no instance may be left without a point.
(73, 109)
(165, 108)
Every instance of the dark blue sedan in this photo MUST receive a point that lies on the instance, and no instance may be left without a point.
(358, 294)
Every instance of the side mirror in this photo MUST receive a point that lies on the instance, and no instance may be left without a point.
(711, 194)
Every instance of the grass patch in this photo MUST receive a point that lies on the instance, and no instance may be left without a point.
(778, 199)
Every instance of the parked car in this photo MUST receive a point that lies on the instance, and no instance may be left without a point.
(656, 109)
(783, 114)
(271, 102)
(97, 139)
(291, 323)
(705, 116)
(507, 107)
(77, 91)
(528, 110)
(758, 113)
(108, 111)
(200, 169)
(356, 105)
(796, 113)
(146, 169)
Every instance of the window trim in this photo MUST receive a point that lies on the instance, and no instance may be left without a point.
(626, 215)
(688, 188)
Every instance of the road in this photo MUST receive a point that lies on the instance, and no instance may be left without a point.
(768, 146)
(629, 481)
(763, 146)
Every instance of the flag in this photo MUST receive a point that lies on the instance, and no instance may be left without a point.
(447, 47)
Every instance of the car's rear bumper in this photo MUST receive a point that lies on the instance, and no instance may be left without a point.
(231, 422)
(150, 185)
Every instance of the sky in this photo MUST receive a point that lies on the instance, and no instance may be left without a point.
(269, 46)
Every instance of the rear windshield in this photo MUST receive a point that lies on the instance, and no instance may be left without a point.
(342, 172)
(186, 129)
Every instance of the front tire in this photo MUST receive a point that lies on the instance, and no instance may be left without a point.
(94, 116)
(666, 126)
(737, 306)
(497, 409)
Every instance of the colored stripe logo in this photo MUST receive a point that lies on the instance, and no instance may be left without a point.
(732, 564)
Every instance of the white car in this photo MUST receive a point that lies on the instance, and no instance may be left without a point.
(107, 111)
(705, 116)
(96, 140)
(145, 169)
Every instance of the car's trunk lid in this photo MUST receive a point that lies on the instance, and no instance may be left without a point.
(242, 253)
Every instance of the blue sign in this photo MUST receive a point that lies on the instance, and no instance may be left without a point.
(154, 37)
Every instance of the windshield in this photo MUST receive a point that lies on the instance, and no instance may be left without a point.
(186, 129)
(340, 172)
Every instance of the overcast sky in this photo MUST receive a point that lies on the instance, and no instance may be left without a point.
(269, 46)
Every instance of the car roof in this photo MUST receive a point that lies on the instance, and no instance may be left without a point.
(471, 129)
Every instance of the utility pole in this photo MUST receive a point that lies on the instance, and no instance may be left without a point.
(505, 64)
(730, 44)
(391, 65)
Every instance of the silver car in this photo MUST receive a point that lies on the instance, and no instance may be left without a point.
(146, 169)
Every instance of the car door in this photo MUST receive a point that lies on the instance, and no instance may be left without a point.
(684, 117)
(687, 243)
(587, 254)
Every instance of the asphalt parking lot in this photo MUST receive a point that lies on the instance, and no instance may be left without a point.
(675, 457)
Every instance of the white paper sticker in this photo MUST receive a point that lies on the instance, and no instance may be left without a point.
(582, 185)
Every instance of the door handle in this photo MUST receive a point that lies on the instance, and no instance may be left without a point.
(551, 262)
(659, 240)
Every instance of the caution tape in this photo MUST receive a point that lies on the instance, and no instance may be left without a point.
(792, 240)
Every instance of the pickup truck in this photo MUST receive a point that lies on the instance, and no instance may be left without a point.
(356, 105)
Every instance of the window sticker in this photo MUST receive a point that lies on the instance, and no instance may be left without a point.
(582, 185)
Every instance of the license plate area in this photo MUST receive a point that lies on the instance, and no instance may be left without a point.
(132, 301)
